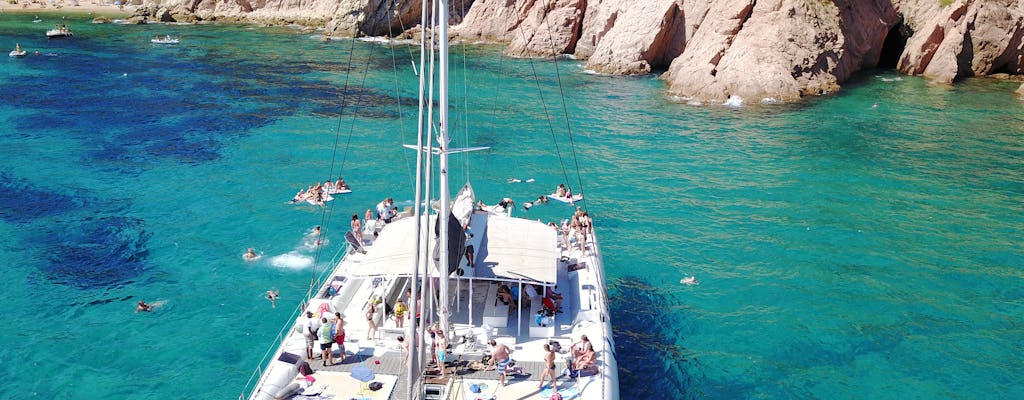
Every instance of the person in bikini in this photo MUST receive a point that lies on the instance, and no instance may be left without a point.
(582, 353)
(549, 367)
(357, 228)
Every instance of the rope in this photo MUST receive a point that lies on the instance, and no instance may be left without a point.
(398, 93)
(565, 110)
(544, 105)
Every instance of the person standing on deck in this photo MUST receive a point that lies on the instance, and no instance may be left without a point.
(469, 246)
(500, 356)
(339, 334)
(357, 228)
(309, 329)
(549, 367)
(400, 311)
(326, 342)
(371, 319)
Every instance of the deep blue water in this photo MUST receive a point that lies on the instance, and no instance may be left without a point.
(843, 249)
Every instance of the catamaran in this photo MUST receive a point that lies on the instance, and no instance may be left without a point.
(433, 299)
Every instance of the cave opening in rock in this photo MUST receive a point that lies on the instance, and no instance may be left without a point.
(894, 44)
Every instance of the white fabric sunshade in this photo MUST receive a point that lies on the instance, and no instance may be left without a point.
(511, 248)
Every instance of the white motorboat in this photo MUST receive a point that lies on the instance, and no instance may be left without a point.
(59, 31)
(167, 39)
(462, 297)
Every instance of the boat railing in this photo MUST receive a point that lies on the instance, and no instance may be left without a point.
(318, 281)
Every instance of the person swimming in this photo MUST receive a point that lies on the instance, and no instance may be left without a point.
(690, 280)
(143, 307)
(272, 295)
(250, 255)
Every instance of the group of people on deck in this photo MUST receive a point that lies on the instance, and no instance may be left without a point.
(581, 356)
(386, 210)
(576, 230)
(318, 192)
(551, 300)
(326, 329)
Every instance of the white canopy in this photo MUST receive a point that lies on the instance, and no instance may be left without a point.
(510, 249)
(517, 249)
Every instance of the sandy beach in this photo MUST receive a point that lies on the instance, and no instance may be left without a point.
(83, 7)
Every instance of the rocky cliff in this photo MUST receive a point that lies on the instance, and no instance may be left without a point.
(708, 50)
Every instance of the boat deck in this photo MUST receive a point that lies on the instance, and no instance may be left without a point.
(467, 345)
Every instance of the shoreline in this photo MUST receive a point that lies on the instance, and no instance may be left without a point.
(41, 7)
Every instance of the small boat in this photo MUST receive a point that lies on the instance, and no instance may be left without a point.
(37, 20)
(164, 40)
(59, 31)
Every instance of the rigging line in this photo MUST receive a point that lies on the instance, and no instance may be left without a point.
(398, 93)
(544, 104)
(341, 112)
(362, 84)
(565, 110)
(401, 24)
(326, 213)
(465, 95)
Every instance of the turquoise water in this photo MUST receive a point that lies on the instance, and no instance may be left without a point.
(843, 250)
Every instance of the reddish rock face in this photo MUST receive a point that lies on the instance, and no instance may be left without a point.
(768, 49)
(709, 50)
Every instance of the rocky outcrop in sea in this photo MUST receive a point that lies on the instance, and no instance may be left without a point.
(706, 51)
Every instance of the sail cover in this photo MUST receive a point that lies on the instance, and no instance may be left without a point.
(462, 207)
(456, 242)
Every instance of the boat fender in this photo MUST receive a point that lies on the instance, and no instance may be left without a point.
(288, 392)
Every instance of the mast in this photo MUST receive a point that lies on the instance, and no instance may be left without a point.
(412, 377)
(442, 144)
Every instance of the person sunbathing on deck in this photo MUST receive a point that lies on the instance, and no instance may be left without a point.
(582, 353)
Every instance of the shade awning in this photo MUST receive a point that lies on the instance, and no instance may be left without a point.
(509, 249)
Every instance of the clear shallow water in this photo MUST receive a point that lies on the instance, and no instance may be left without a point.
(843, 250)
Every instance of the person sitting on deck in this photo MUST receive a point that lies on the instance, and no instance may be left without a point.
(554, 297)
(582, 353)
(505, 295)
